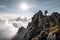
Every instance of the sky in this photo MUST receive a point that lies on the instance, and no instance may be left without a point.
(13, 6)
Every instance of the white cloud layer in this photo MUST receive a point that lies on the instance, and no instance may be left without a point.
(18, 22)
(7, 30)
(9, 27)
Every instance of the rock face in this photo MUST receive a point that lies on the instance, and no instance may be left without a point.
(20, 34)
(42, 27)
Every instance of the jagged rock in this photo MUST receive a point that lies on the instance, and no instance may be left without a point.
(55, 16)
(37, 38)
(51, 36)
(29, 24)
(34, 29)
(20, 34)
(42, 27)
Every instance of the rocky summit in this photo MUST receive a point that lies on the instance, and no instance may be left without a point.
(43, 27)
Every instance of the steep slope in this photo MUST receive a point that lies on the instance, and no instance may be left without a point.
(44, 27)
(19, 35)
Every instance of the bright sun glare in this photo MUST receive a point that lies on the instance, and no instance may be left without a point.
(24, 6)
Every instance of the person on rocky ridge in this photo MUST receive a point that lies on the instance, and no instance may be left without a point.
(46, 12)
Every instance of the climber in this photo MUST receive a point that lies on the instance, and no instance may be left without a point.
(46, 12)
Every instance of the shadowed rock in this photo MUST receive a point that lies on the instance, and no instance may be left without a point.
(42, 27)
(20, 34)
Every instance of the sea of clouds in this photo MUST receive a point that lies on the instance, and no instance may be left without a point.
(9, 27)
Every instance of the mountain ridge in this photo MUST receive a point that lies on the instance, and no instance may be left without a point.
(43, 27)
